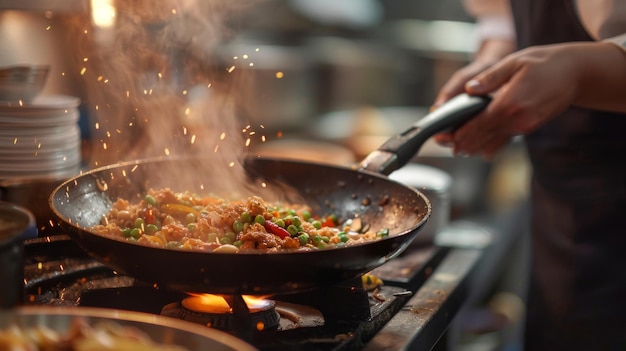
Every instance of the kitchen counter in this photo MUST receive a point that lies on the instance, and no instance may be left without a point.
(475, 252)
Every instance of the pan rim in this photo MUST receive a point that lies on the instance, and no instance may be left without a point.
(123, 316)
(74, 229)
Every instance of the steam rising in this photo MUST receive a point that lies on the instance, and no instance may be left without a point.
(160, 88)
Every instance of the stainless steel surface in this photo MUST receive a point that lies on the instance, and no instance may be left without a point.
(33, 195)
(22, 82)
(16, 224)
(436, 185)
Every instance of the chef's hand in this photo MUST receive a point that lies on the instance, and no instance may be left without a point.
(532, 86)
(491, 52)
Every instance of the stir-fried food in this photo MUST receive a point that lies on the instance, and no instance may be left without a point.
(80, 337)
(164, 218)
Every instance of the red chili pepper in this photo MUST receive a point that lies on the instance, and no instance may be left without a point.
(149, 216)
(276, 229)
(328, 222)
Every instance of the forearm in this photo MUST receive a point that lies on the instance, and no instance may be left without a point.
(601, 77)
(495, 30)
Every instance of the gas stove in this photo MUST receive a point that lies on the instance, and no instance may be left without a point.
(342, 317)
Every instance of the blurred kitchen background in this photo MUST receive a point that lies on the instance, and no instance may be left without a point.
(332, 79)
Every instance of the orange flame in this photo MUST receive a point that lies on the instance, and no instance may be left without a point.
(211, 303)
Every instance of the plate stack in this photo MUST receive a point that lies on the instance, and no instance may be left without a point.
(40, 138)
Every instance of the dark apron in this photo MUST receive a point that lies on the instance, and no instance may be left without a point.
(577, 296)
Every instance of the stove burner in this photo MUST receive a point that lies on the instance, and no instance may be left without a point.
(285, 316)
(339, 317)
(221, 312)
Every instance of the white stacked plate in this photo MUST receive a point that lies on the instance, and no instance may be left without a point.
(40, 139)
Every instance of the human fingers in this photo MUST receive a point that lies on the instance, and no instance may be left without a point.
(492, 78)
(471, 137)
(456, 84)
(485, 143)
(444, 139)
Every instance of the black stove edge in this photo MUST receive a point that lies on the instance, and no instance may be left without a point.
(430, 311)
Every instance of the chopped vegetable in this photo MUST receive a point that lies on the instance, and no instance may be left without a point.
(187, 221)
(370, 281)
(276, 230)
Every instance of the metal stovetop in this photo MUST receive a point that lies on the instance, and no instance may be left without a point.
(424, 288)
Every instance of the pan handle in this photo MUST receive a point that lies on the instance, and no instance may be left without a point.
(401, 148)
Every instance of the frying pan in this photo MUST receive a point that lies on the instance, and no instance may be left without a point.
(160, 330)
(365, 192)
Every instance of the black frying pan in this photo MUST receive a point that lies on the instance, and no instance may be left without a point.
(382, 203)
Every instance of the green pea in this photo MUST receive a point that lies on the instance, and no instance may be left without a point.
(237, 226)
(317, 224)
(306, 215)
(292, 229)
(139, 222)
(226, 241)
(279, 222)
(230, 235)
(292, 212)
(191, 227)
(343, 237)
(135, 233)
(316, 239)
(190, 218)
(296, 221)
(238, 243)
(303, 238)
(150, 200)
(126, 232)
(151, 229)
(259, 219)
(174, 245)
(245, 217)
(325, 239)
(383, 233)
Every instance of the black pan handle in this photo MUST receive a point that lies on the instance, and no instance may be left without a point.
(401, 148)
